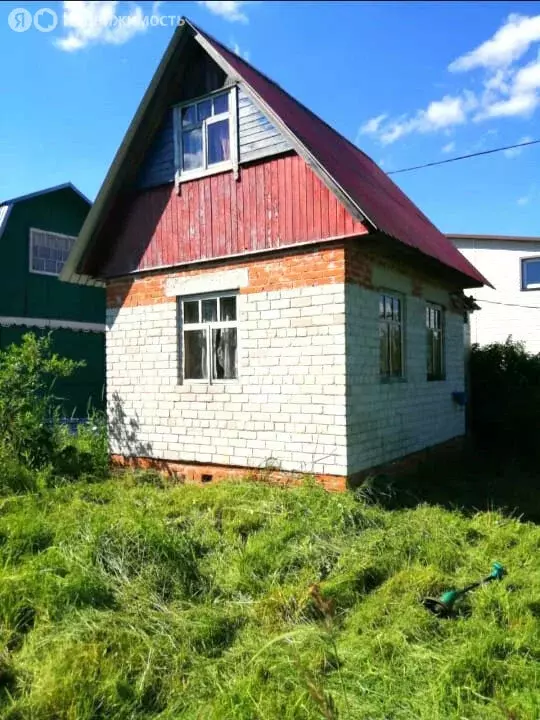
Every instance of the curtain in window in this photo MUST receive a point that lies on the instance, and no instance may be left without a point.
(224, 345)
(218, 142)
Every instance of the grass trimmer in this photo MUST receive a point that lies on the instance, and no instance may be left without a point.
(444, 606)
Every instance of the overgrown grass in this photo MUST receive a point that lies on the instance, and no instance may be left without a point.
(134, 599)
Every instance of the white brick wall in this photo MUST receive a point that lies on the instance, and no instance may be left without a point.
(287, 407)
(387, 420)
(505, 310)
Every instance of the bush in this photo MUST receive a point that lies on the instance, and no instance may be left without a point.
(28, 373)
(85, 452)
(505, 396)
(36, 449)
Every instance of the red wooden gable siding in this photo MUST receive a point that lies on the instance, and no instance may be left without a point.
(275, 203)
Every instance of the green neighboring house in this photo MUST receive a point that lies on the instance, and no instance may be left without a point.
(37, 232)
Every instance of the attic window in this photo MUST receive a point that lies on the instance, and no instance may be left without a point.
(49, 251)
(206, 135)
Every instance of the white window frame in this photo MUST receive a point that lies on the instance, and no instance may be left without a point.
(182, 175)
(383, 292)
(32, 241)
(208, 327)
(524, 262)
(439, 308)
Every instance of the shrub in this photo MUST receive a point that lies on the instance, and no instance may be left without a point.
(28, 373)
(83, 452)
(15, 478)
(505, 396)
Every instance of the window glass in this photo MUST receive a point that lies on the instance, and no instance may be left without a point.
(192, 155)
(189, 115)
(49, 251)
(227, 308)
(531, 273)
(383, 340)
(204, 110)
(221, 104)
(210, 338)
(205, 133)
(191, 312)
(209, 310)
(224, 353)
(218, 141)
(390, 336)
(195, 350)
(434, 342)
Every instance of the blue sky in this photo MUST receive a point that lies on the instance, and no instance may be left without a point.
(408, 82)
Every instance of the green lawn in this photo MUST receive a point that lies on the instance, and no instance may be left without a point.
(130, 599)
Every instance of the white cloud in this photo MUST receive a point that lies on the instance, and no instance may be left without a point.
(439, 115)
(508, 88)
(90, 23)
(509, 43)
(531, 195)
(449, 147)
(238, 51)
(514, 152)
(527, 79)
(228, 9)
(373, 124)
(516, 105)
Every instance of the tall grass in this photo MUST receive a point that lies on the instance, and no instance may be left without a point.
(131, 599)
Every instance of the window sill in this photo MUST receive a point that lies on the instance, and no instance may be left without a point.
(203, 172)
(207, 383)
(392, 380)
(436, 379)
(44, 272)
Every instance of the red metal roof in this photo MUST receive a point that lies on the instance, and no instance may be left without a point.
(374, 193)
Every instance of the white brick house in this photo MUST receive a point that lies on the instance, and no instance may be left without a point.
(274, 300)
(512, 306)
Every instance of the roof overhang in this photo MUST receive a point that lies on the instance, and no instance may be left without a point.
(495, 238)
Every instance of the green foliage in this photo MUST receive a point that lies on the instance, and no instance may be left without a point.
(83, 454)
(240, 601)
(28, 372)
(505, 396)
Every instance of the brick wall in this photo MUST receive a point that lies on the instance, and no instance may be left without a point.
(287, 409)
(388, 420)
(309, 267)
(308, 368)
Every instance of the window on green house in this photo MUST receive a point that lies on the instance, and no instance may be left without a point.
(49, 251)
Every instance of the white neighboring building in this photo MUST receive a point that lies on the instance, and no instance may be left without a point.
(512, 265)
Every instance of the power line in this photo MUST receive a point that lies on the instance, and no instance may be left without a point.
(494, 302)
(464, 157)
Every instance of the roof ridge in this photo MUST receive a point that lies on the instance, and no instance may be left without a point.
(44, 191)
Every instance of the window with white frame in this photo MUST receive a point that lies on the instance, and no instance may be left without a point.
(210, 338)
(530, 273)
(391, 335)
(435, 341)
(49, 251)
(204, 134)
